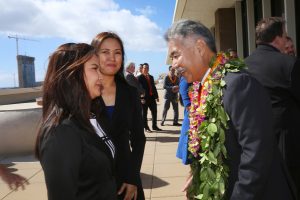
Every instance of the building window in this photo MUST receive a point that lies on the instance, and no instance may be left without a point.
(297, 18)
(257, 11)
(245, 29)
(277, 8)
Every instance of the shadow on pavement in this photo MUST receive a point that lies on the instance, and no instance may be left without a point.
(163, 139)
(177, 132)
(150, 182)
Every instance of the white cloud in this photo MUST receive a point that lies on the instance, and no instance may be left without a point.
(80, 21)
(147, 11)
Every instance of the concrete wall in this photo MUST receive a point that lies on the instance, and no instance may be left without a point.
(18, 130)
(18, 95)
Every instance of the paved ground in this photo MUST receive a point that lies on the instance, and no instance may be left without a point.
(162, 173)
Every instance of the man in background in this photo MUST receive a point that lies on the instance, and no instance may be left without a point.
(132, 80)
(151, 96)
(279, 73)
(171, 86)
(289, 47)
(232, 53)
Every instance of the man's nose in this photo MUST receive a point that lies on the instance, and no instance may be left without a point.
(174, 65)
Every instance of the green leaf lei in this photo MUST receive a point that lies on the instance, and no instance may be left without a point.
(208, 124)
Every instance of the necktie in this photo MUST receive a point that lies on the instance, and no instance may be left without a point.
(149, 85)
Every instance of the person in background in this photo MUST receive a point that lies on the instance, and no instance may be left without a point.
(289, 47)
(122, 114)
(171, 87)
(139, 71)
(14, 181)
(182, 149)
(279, 74)
(75, 151)
(132, 80)
(229, 110)
(232, 53)
(151, 96)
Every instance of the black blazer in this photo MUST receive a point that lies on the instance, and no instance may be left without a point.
(142, 79)
(256, 172)
(133, 81)
(77, 164)
(280, 75)
(126, 125)
(168, 85)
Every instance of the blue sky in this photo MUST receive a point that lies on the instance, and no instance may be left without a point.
(140, 23)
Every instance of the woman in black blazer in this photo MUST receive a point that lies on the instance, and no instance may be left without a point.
(75, 152)
(123, 115)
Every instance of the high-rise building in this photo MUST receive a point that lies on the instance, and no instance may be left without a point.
(26, 71)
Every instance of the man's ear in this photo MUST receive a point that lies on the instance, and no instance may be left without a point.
(200, 46)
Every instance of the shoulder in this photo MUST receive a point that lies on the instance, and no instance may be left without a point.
(66, 136)
(243, 85)
(265, 52)
(66, 131)
(127, 90)
(128, 75)
(239, 79)
(140, 77)
(125, 87)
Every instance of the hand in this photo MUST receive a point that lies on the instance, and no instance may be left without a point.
(131, 191)
(175, 89)
(14, 181)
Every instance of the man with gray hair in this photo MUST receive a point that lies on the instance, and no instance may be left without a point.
(132, 80)
(231, 131)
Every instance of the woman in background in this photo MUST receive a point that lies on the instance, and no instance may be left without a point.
(123, 115)
(75, 152)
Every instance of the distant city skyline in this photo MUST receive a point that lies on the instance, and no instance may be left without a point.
(49, 23)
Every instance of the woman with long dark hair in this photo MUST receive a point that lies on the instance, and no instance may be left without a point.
(123, 115)
(75, 152)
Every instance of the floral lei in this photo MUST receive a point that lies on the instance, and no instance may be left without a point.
(208, 123)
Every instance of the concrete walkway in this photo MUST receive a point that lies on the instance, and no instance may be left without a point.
(163, 175)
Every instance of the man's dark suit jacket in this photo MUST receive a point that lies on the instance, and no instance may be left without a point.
(133, 81)
(255, 172)
(168, 85)
(126, 125)
(280, 75)
(142, 79)
(77, 164)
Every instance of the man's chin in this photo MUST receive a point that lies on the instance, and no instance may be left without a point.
(188, 78)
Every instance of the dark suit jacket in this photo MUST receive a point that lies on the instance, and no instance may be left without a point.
(280, 75)
(133, 81)
(126, 125)
(77, 164)
(168, 85)
(255, 170)
(142, 79)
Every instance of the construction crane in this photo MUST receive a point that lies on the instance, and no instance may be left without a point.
(17, 38)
